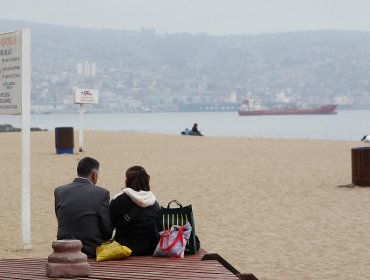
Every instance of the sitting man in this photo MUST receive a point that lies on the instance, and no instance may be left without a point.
(82, 209)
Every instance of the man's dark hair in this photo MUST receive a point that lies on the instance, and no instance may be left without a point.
(86, 166)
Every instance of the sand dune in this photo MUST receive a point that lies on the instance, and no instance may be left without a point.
(270, 207)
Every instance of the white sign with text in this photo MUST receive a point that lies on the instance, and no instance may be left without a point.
(11, 73)
(15, 99)
(86, 96)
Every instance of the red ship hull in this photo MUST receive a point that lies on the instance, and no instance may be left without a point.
(326, 109)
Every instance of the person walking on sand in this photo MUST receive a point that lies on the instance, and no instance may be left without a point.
(135, 213)
(82, 208)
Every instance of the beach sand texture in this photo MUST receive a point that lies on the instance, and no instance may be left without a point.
(270, 207)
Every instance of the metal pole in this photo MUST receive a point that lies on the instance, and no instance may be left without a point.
(81, 126)
(26, 117)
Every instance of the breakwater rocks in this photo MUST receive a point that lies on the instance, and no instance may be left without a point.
(10, 128)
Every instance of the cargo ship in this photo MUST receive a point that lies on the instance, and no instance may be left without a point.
(208, 107)
(247, 110)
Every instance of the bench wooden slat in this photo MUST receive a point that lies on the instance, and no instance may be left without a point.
(145, 268)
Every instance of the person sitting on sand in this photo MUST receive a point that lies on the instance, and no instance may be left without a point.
(82, 208)
(135, 213)
(185, 132)
(195, 131)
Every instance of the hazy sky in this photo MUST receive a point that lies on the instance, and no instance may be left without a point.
(195, 16)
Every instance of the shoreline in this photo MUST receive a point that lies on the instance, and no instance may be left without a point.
(346, 125)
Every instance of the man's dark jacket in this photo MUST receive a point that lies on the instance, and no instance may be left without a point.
(82, 211)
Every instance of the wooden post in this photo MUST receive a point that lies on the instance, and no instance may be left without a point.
(361, 166)
(26, 139)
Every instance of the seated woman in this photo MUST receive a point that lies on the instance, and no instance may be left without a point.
(135, 212)
(195, 131)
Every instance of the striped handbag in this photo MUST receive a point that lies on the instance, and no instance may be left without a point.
(179, 216)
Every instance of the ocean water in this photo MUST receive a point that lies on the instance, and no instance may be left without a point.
(346, 125)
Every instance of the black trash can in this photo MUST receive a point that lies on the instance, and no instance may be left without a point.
(64, 140)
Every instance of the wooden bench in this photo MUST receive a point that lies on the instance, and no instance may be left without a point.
(198, 266)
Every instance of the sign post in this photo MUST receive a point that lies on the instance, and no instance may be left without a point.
(15, 97)
(84, 96)
(81, 134)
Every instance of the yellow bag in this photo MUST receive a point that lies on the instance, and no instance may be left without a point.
(111, 250)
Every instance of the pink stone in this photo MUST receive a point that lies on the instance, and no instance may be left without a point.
(70, 245)
(67, 260)
(67, 270)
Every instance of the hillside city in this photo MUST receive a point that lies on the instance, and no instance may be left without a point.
(143, 71)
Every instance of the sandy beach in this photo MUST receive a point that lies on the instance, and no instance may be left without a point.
(270, 207)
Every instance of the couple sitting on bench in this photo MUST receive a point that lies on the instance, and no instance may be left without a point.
(84, 212)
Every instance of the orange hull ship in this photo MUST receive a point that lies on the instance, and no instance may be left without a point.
(246, 110)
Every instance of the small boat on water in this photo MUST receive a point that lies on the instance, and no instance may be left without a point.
(247, 109)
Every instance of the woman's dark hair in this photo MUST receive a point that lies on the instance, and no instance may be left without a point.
(137, 179)
(86, 166)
